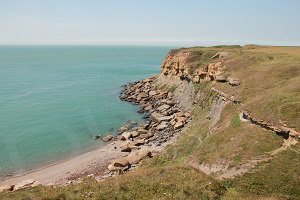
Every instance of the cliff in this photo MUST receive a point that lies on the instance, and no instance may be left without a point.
(240, 137)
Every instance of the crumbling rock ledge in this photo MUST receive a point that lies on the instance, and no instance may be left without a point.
(282, 130)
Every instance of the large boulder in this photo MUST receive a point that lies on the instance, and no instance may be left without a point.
(139, 142)
(233, 82)
(136, 156)
(121, 162)
(159, 117)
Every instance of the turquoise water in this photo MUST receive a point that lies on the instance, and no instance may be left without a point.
(54, 99)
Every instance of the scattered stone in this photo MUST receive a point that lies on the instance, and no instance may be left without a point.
(233, 82)
(26, 184)
(107, 138)
(96, 137)
(120, 162)
(220, 78)
(5, 188)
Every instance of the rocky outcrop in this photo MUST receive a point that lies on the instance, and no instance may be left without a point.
(280, 130)
(181, 64)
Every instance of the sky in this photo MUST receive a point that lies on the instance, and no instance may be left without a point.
(150, 22)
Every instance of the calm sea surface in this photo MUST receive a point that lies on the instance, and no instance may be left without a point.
(54, 99)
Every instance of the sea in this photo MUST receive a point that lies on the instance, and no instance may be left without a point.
(55, 99)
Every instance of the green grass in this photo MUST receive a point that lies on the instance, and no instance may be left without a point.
(235, 121)
(173, 182)
(278, 178)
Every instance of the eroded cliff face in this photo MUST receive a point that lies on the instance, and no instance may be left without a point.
(185, 65)
(182, 68)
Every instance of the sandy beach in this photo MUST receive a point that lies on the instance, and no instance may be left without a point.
(94, 162)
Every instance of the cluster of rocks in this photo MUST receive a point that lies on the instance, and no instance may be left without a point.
(178, 64)
(163, 119)
(21, 185)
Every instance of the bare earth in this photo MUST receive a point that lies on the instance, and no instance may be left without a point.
(94, 162)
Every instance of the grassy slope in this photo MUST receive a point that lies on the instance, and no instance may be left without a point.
(270, 90)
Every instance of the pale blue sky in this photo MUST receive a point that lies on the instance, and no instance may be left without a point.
(150, 22)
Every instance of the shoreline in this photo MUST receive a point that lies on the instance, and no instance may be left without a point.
(63, 172)
(163, 120)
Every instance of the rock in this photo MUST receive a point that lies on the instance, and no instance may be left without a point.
(120, 162)
(123, 128)
(111, 167)
(141, 96)
(134, 159)
(152, 93)
(170, 103)
(181, 119)
(5, 188)
(180, 114)
(127, 135)
(165, 118)
(139, 142)
(126, 148)
(178, 125)
(25, 184)
(159, 117)
(162, 126)
(121, 137)
(187, 115)
(220, 78)
(163, 107)
(145, 152)
(155, 116)
(148, 108)
(196, 79)
(135, 134)
(96, 137)
(136, 156)
(143, 136)
(233, 82)
(142, 131)
(107, 138)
